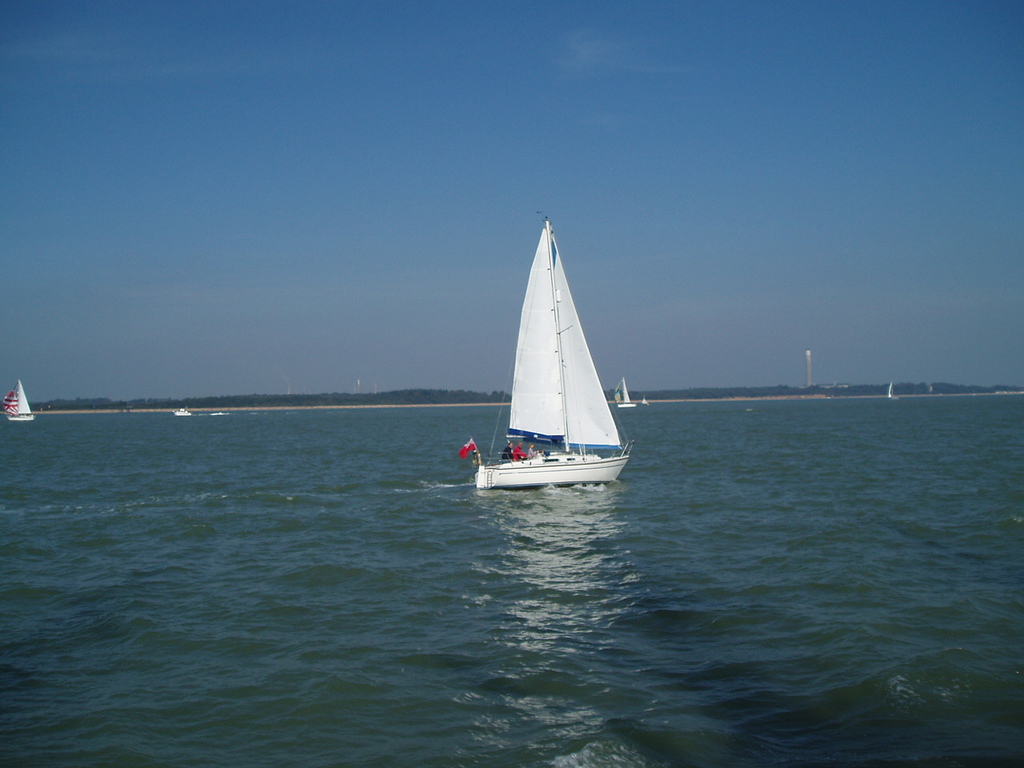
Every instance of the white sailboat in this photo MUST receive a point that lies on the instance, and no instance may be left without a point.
(16, 405)
(622, 395)
(891, 396)
(557, 400)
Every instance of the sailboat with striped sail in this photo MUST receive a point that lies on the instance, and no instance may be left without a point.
(622, 395)
(16, 405)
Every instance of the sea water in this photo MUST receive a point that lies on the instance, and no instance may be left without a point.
(771, 583)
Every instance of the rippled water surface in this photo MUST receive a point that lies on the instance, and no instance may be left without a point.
(796, 583)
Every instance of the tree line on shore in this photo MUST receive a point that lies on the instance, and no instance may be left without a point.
(409, 397)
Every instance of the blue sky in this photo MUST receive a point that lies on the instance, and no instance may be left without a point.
(224, 198)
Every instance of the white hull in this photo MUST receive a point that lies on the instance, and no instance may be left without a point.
(556, 469)
(627, 405)
(21, 417)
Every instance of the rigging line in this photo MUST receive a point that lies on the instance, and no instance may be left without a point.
(501, 410)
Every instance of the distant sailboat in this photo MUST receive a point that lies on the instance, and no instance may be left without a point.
(16, 405)
(557, 399)
(622, 395)
(891, 396)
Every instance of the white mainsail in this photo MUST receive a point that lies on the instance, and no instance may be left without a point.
(16, 405)
(557, 399)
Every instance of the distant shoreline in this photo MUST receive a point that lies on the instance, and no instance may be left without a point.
(250, 409)
(737, 399)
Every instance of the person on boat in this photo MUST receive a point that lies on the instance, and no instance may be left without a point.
(518, 454)
(530, 452)
(507, 454)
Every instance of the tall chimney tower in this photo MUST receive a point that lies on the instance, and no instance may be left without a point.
(810, 381)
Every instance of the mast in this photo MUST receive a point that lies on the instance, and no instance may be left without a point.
(552, 255)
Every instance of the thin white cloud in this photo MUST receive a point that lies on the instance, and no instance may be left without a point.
(588, 53)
